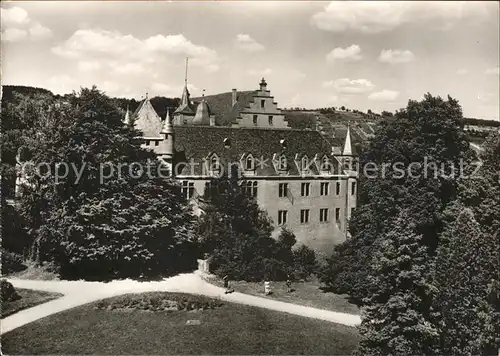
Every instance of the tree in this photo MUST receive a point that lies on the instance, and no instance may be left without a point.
(236, 233)
(115, 213)
(422, 136)
(463, 270)
(398, 318)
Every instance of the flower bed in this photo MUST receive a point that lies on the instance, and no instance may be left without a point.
(159, 301)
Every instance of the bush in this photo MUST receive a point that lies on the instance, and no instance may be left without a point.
(159, 301)
(9, 294)
(305, 263)
(11, 262)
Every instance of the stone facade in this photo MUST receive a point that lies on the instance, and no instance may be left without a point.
(297, 176)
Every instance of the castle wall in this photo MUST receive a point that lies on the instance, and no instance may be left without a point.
(321, 236)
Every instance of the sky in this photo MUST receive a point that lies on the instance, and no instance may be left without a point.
(363, 55)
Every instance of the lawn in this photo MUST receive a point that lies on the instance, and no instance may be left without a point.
(227, 329)
(29, 298)
(305, 293)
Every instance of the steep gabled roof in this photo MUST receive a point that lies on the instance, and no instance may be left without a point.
(221, 105)
(196, 142)
(147, 120)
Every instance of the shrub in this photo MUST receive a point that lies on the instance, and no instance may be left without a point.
(159, 301)
(305, 263)
(11, 262)
(9, 294)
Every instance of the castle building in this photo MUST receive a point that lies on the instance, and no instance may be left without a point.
(300, 177)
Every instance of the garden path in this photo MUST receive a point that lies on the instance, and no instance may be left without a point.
(77, 293)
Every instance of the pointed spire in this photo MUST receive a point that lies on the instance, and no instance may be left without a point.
(185, 106)
(347, 145)
(186, 74)
(167, 125)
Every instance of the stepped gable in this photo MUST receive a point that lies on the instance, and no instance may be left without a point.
(198, 143)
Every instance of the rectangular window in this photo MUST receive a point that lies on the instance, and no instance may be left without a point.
(251, 188)
(323, 215)
(353, 188)
(270, 120)
(262, 102)
(255, 120)
(337, 188)
(283, 190)
(337, 214)
(282, 215)
(304, 216)
(157, 143)
(304, 189)
(324, 188)
(188, 189)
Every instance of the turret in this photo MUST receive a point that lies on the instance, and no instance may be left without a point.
(202, 116)
(166, 148)
(263, 85)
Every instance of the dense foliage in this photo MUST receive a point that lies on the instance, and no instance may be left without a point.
(236, 234)
(423, 257)
(9, 293)
(112, 211)
(398, 316)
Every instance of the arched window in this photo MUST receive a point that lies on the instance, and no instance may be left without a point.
(305, 163)
(325, 164)
(214, 163)
(227, 143)
(282, 163)
(249, 163)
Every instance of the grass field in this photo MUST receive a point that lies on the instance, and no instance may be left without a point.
(29, 298)
(305, 293)
(229, 329)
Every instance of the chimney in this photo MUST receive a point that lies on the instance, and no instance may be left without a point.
(234, 97)
(212, 120)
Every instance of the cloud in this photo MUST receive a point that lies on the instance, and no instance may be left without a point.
(395, 56)
(13, 17)
(348, 86)
(39, 32)
(14, 35)
(88, 66)
(492, 71)
(462, 71)
(17, 26)
(129, 68)
(171, 90)
(259, 72)
(384, 95)
(351, 53)
(129, 52)
(382, 16)
(246, 43)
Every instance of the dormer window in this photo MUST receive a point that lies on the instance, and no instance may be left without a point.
(249, 163)
(283, 143)
(305, 163)
(282, 166)
(227, 143)
(214, 164)
(325, 164)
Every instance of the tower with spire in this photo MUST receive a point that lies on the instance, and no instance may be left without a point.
(185, 113)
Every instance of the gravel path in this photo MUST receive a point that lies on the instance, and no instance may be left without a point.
(77, 293)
